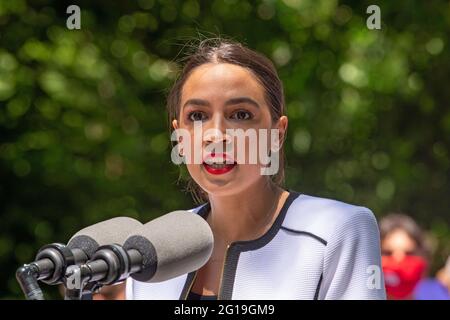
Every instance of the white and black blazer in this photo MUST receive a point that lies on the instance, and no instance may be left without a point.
(317, 248)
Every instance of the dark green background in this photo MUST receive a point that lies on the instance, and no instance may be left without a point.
(84, 132)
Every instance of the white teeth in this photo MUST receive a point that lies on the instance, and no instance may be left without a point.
(217, 162)
(218, 165)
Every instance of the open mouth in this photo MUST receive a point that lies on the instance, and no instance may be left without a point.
(218, 165)
(219, 168)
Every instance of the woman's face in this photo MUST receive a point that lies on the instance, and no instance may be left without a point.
(398, 244)
(220, 97)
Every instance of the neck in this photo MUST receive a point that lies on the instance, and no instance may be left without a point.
(247, 215)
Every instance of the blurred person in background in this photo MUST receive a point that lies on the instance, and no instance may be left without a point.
(404, 255)
(437, 288)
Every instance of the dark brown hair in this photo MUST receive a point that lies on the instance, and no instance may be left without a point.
(227, 51)
(399, 221)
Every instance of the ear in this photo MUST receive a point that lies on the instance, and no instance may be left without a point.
(175, 127)
(175, 124)
(281, 125)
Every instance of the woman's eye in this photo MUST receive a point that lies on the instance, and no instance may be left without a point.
(241, 115)
(196, 116)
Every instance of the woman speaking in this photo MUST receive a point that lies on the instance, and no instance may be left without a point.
(227, 113)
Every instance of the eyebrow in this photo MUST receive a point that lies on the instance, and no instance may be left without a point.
(205, 103)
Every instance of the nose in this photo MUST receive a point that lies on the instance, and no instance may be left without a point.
(215, 131)
(398, 255)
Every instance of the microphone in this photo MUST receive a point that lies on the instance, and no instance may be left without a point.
(164, 248)
(52, 260)
(115, 230)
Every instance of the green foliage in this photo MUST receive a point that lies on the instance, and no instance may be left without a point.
(84, 132)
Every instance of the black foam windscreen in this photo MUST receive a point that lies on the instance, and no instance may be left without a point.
(171, 245)
(115, 230)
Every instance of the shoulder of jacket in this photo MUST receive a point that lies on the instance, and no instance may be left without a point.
(321, 216)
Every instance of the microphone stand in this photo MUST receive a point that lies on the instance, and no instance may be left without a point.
(49, 266)
(76, 282)
(27, 277)
(110, 264)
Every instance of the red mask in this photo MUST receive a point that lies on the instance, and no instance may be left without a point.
(401, 277)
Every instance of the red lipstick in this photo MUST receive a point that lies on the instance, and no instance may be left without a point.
(218, 163)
